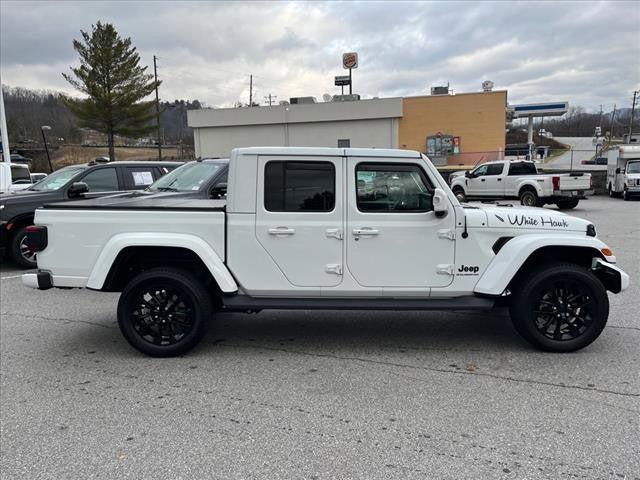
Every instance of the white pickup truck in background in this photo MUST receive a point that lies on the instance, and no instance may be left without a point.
(14, 177)
(520, 180)
(331, 229)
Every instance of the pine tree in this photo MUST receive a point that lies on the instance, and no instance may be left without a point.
(115, 84)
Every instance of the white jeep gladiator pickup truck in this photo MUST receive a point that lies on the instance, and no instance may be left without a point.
(520, 179)
(326, 228)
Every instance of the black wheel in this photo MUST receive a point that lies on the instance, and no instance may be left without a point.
(568, 204)
(611, 193)
(20, 253)
(560, 308)
(625, 195)
(529, 198)
(459, 193)
(164, 312)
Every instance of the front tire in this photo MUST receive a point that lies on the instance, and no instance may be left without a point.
(164, 312)
(560, 308)
(567, 204)
(625, 195)
(460, 195)
(20, 253)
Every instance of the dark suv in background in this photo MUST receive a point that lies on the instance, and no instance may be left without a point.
(69, 183)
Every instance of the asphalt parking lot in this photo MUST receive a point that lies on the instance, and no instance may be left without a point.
(320, 394)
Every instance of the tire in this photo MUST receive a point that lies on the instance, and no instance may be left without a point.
(625, 195)
(157, 332)
(19, 253)
(460, 195)
(568, 204)
(611, 193)
(553, 289)
(529, 198)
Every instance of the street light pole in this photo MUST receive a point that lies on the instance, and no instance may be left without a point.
(46, 148)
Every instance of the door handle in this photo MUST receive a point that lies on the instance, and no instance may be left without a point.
(365, 232)
(281, 231)
(482, 179)
(499, 179)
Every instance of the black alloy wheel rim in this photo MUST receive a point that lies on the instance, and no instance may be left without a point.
(565, 311)
(162, 315)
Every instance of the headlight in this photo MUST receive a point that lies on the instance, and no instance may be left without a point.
(1, 206)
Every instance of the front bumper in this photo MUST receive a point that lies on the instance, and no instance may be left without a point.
(39, 280)
(613, 277)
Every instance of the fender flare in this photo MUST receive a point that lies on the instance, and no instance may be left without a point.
(516, 251)
(458, 183)
(530, 183)
(197, 245)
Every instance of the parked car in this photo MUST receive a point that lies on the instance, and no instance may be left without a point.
(14, 177)
(72, 182)
(520, 180)
(595, 161)
(623, 178)
(17, 158)
(36, 177)
(327, 228)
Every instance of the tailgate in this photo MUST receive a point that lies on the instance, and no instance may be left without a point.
(580, 181)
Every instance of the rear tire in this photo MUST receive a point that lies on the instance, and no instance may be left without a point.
(19, 252)
(567, 204)
(164, 312)
(529, 198)
(560, 308)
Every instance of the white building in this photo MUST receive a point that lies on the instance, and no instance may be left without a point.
(364, 123)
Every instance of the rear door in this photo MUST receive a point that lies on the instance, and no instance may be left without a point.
(299, 217)
(393, 237)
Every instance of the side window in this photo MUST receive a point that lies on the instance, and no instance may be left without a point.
(522, 168)
(299, 186)
(101, 180)
(495, 168)
(392, 188)
(480, 171)
(139, 178)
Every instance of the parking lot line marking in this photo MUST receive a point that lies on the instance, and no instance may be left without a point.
(8, 278)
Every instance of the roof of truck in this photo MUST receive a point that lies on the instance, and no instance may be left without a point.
(328, 151)
(629, 151)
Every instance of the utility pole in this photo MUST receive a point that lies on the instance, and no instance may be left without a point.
(155, 74)
(633, 110)
(251, 90)
(613, 117)
(270, 98)
(600, 121)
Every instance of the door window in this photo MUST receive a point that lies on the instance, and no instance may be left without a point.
(495, 169)
(392, 188)
(102, 180)
(291, 186)
(139, 178)
(522, 168)
(480, 171)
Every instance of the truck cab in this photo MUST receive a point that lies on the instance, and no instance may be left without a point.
(326, 228)
(14, 177)
(623, 177)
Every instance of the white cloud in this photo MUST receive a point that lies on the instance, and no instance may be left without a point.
(587, 53)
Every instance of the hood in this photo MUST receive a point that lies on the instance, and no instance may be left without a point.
(532, 218)
(25, 196)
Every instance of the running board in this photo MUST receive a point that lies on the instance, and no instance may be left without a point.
(244, 303)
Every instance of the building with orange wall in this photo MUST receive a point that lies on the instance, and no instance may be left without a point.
(455, 129)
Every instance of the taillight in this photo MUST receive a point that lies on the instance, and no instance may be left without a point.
(36, 239)
(556, 183)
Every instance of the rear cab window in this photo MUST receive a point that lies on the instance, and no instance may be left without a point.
(522, 168)
(495, 169)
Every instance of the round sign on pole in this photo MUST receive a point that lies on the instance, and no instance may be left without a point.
(350, 60)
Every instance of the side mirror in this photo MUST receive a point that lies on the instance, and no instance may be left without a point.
(467, 174)
(77, 188)
(617, 170)
(440, 203)
(219, 190)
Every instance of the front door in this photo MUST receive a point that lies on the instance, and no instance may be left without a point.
(394, 238)
(476, 182)
(299, 217)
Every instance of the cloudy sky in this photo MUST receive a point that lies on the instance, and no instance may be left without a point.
(585, 52)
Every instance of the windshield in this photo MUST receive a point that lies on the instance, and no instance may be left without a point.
(633, 167)
(57, 179)
(188, 177)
